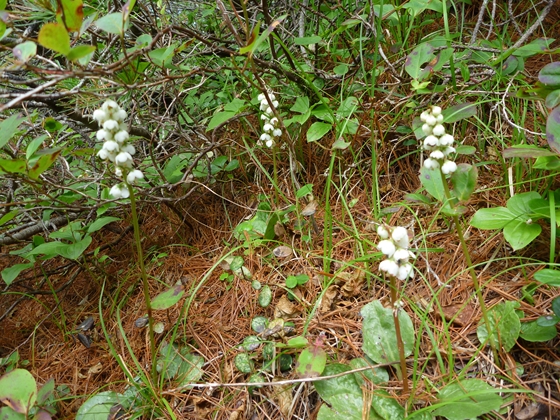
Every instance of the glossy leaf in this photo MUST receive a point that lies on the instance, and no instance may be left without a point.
(464, 181)
(9, 274)
(550, 74)
(419, 56)
(317, 131)
(99, 223)
(504, 325)
(532, 331)
(433, 183)
(553, 130)
(548, 276)
(379, 335)
(386, 406)
(552, 99)
(167, 299)
(18, 390)
(8, 128)
(54, 37)
(265, 296)
(467, 399)
(70, 13)
(312, 360)
(376, 375)
(24, 51)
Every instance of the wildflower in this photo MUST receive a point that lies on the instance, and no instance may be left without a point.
(437, 142)
(271, 131)
(394, 245)
(114, 134)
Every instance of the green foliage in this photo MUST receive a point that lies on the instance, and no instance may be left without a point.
(504, 325)
(24, 400)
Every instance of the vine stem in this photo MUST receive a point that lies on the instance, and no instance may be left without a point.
(400, 344)
(145, 284)
(470, 266)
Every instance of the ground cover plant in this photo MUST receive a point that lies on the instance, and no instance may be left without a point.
(279, 210)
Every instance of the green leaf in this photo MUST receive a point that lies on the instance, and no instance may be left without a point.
(167, 299)
(556, 306)
(375, 375)
(552, 99)
(347, 107)
(45, 392)
(243, 363)
(550, 74)
(25, 51)
(345, 385)
(459, 112)
(532, 331)
(265, 296)
(70, 13)
(99, 223)
(80, 51)
(467, 399)
(255, 43)
(526, 151)
(341, 69)
(307, 40)
(190, 369)
(548, 276)
(433, 183)
(504, 325)
(537, 46)
(54, 37)
(520, 233)
(8, 127)
(464, 181)
(493, 218)
(317, 131)
(98, 407)
(114, 23)
(19, 389)
(9, 274)
(420, 55)
(48, 157)
(312, 360)
(386, 406)
(8, 216)
(553, 130)
(301, 105)
(379, 335)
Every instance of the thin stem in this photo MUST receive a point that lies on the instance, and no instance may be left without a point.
(400, 344)
(474, 278)
(147, 298)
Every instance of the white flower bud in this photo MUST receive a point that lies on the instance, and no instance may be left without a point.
(439, 118)
(448, 167)
(446, 140)
(269, 110)
(405, 271)
(387, 247)
(118, 171)
(401, 255)
(263, 106)
(390, 267)
(103, 154)
(129, 148)
(438, 130)
(261, 97)
(111, 146)
(121, 136)
(272, 97)
(115, 191)
(436, 110)
(275, 103)
(102, 135)
(268, 127)
(398, 234)
(264, 117)
(426, 129)
(424, 116)
(431, 120)
(134, 175)
(265, 137)
(277, 132)
(431, 141)
(110, 125)
(120, 115)
(382, 232)
(431, 164)
(100, 116)
(269, 143)
(124, 159)
(274, 121)
(448, 150)
(437, 154)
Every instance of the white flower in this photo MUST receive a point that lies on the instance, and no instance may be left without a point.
(261, 97)
(272, 97)
(269, 143)
(268, 110)
(427, 129)
(110, 125)
(439, 118)
(111, 146)
(446, 140)
(121, 136)
(118, 171)
(448, 167)
(274, 103)
(119, 192)
(437, 154)
(110, 105)
(400, 234)
(264, 117)
(134, 175)
(387, 247)
(129, 148)
(268, 127)
(448, 150)
(120, 115)
(264, 106)
(390, 267)
(431, 164)
(277, 132)
(431, 120)
(100, 116)
(274, 121)
(424, 116)
(431, 141)
(382, 232)
(103, 135)
(404, 271)
(436, 110)
(124, 159)
(401, 255)
(265, 137)
(103, 154)
(438, 130)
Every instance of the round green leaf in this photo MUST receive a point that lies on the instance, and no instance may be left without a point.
(18, 389)
(259, 324)
(25, 51)
(317, 131)
(54, 37)
(243, 363)
(550, 74)
(548, 276)
(504, 325)
(113, 23)
(265, 296)
(532, 331)
(467, 399)
(98, 407)
(168, 298)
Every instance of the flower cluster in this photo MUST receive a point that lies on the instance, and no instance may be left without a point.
(437, 142)
(270, 127)
(114, 134)
(394, 246)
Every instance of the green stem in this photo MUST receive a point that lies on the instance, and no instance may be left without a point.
(400, 345)
(145, 284)
(468, 259)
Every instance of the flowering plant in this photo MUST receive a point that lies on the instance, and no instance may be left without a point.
(394, 245)
(437, 141)
(271, 130)
(114, 134)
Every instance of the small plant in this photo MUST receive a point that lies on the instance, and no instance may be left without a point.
(24, 399)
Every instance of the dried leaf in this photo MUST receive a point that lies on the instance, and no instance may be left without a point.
(86, 325)
(95, 369)
(85, 340)
(310, 209)
(529, 412)
(284, 397)
(351, 283)
(460, 314)
(284, 308)
(282, 251)
(328, 298)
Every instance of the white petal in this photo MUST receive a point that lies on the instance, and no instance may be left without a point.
(446, 140)
(110, 125)
(116, 191)
(438, 130)
(405, 271)
(387, 247)
(431, 164)
(389, 266)
(436, 110)
(382, 232)
(99, 115)
(277, 132)
(121, 136)
(401, 255)
(111, 146)
(448, 167)
(437, 154)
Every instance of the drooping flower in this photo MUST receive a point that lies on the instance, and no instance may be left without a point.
(394, 245)
(437, 142)
(271, 130)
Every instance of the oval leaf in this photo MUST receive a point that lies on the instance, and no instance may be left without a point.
(553, 129)
(317, 131)
(18, 390)
(168, 298)
(55, 37)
